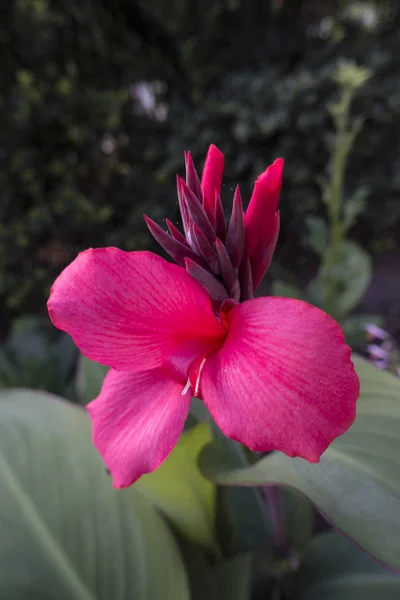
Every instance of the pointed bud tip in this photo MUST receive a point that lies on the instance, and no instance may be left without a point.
(155, 229)
(149, 222)
(214, 150)
(237, 196)
(188, 158)
(211, 179)
(276, 167)
(271, 178)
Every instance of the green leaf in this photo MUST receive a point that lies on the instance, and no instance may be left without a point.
(64, 355)
(89, 379)
(353, 207)
(201, 577)
(243, 521)
(357, 482)
(317, 291)
(335, 569)
(356, 270)
(199, 411)
(65, 533)
(299, 519)
(350, 276)
(9, 372)
(228, 580)
(318, 234)
(179, 489)
(30, 358)
(234, 578)
(286, 290)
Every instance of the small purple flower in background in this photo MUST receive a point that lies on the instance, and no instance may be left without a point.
(381, 348)
(274, 373)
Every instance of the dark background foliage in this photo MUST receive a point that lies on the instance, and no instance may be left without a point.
(81, 159)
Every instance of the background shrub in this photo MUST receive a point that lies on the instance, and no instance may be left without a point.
(81, 159)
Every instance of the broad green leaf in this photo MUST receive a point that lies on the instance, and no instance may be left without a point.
(228, 580)
(179, 489)
(65, 533)
(286, 290)
(357, 482)
(335, 569)
(234, 578)
(89, 379)
(299, 514)
(203, 585)
(243, 520)
(250, 518)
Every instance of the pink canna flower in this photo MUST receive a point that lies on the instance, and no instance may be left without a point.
(275, 373)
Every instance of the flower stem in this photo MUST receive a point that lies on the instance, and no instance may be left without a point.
(340, 152)
(339, 158)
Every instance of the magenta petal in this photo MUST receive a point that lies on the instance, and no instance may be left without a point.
(133, 311)
(176, 234)
(216, 290)
(206, 250)
(176, 249)
(260, 218)
(263, 205)
(192, 179)
(283, 380)
(196, 212)
(211, 180)
(137, 420)
(262, 255)
(219, 218)
(235, 237)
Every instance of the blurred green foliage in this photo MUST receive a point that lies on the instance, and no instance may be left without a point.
(345, 269)
(80, 163)
(36, 356)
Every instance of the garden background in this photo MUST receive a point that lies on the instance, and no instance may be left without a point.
(99, 100)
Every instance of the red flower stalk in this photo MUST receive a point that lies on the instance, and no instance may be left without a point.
(275, 373)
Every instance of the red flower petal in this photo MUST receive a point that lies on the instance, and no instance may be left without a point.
(133, 310)
(283, 379)
(175, 248)
(262, 254)
(192, 179)
(137, 420)
(260, 218)
(211, 180)
(235, 238)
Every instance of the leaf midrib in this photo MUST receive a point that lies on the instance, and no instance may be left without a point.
(53, 550)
